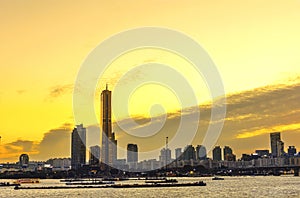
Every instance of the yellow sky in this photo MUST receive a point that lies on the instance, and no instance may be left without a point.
(43, 43)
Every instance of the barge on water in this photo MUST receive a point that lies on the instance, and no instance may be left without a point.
(7, 184)
(153, 185)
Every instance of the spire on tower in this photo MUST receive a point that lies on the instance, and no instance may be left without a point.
(106, 86)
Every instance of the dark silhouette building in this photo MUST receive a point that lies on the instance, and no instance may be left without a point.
(24, 160)
(78, 148)
(228, 154)
(217, 156)
(109, 142)
(262, 153)
(280, 148)
(94, 155)
(132, 153)
(189, 153)
(201, 152)
(274, 138)
(292, 150)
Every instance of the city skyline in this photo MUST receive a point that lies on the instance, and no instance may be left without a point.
(254, 45)
(190, 152)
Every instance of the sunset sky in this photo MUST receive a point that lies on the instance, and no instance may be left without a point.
(254, 44)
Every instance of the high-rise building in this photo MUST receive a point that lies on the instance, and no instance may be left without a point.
(201, 152)
(165, 156)
(94, 155)
(24, 160)
(274, 138)
(78, 148)
(109, 142)
(217, 156)
(189, 153)
(280, 148)
(178, 154)
(292, 150)
(132, 153)
(226, 151)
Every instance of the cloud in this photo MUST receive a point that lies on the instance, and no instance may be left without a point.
(55, 143)
(266, 109)
(251, 116)
(11, 151)
(21, 91)
(60, 90)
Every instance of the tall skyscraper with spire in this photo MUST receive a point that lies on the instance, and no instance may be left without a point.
(109, 142)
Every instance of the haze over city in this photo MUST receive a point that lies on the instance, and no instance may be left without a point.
(43, 45)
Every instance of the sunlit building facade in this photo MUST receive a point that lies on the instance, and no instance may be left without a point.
(274, 138)
(109, 142)
(78, 147)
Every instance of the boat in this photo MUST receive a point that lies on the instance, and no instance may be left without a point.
(200, 183)
(158, 185)
(115, 179)
(6, 184)
(71, 180)
(99, 182)
(27, 181)
(217, 178)
(162, 181)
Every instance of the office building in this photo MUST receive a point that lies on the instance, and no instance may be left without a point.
(165, 156)
(189, 153)
(263, 153)
(292, 150)
(109, 142)
(201, 152)
(217, 153)
(132, 153)
(94, 155)
(274, 138)
(24, 160)
(227, 151)
(78, 148)
(280, 148)
(178, 154)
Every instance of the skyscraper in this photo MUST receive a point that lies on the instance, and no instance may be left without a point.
(226, 151)
(274, 138)
(109, 143)
(201, 152)
(189, 153)
(132, 153)
(165, 156)
(94, 155)
(217, 153)
(178, 154)
(78, 149)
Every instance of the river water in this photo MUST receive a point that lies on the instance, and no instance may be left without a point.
(258, 186)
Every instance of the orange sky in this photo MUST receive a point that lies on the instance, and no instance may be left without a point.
(43, 44)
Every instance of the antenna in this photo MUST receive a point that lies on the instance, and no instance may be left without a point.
(106, 86)
(166, 152)
(167, 143)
